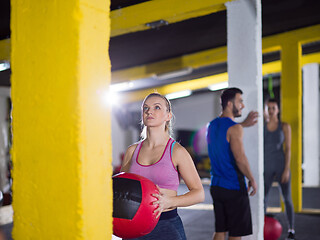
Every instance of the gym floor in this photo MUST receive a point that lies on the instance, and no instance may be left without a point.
(199, 220)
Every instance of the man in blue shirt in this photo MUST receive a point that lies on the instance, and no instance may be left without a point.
(229, 167)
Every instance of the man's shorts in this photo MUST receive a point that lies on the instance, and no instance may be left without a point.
(232, 211)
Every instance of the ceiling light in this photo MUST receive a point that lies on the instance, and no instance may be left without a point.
(218, 86)
(118, 87)
(174, 74)
(4, 65)
(179, 94)
(111, 98)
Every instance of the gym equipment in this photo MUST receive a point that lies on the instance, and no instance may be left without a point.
(133, 211)
(272, 228)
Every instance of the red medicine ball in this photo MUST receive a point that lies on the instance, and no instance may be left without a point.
(132, 205)
(272, 228)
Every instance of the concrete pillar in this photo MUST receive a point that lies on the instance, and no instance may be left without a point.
(311, 126)
(245, 72)
(62, 187)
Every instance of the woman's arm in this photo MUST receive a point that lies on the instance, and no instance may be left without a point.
(189, 174)
(287, 152)
(126, 164)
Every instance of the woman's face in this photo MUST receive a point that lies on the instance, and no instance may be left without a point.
(155, 112)
(273, 109)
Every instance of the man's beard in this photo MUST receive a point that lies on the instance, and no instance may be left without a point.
(236, 112)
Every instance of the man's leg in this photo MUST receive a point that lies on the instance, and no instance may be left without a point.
(220, 218)
(219, 236)
(234, 238)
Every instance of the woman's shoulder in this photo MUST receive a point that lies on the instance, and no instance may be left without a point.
(133, 146)
(178, 149)
(285, 125)
(180, 154)
(177, 145)
(128, 156)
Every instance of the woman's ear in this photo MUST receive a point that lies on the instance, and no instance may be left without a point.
(169, 116)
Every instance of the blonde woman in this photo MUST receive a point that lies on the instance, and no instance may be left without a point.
(161, 159)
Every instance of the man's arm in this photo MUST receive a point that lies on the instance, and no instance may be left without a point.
(250, 120)
(235, 136)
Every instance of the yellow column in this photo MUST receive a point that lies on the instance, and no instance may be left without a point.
(62, 186)
(291, 93)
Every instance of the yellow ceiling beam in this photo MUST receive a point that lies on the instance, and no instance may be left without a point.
(196, 84)
(195, 60)
(134, 18)
(311, 58)
(302, 35)
(174, 87)
(271, 67)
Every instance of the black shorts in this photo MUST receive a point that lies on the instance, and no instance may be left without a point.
(232, 211)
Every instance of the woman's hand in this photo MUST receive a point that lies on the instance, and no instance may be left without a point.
(163, 201)
(285, 176)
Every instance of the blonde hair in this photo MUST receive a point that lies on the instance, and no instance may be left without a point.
(168, 126)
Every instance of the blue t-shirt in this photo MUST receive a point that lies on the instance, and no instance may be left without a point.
(224, 171)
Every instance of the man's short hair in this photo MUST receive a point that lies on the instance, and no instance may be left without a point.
(228, 95)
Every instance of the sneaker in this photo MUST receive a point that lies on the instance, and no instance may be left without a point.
(290, 236)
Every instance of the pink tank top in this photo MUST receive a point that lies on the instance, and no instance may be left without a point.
(162, 173)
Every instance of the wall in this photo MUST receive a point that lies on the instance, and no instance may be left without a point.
(195, 111)
(121, 137)
(311, 128)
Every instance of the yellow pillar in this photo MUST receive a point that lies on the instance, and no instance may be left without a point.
(62, 186)
(291, 93)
